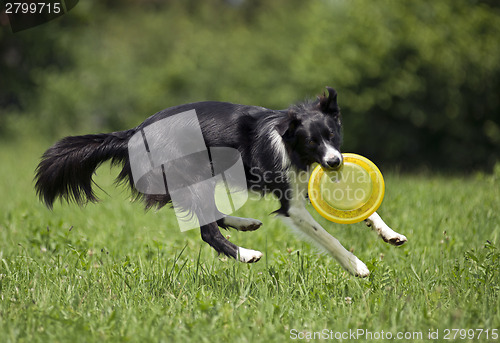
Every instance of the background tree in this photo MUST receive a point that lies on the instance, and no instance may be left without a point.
(418, 81)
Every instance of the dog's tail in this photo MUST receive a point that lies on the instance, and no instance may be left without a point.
(66, 168)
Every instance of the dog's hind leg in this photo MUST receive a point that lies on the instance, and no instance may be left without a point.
(211, 234)
(385, 232)
(240, 224)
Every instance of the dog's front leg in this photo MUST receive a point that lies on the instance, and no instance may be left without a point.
(299, 218)
(210, 233)
(240, 224)
(385, 232)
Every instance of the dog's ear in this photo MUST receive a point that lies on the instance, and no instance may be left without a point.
(287, 125)
(328, 104)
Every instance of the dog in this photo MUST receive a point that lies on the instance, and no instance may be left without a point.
(285, 143)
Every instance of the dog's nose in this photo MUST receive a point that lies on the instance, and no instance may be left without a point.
(334, 162)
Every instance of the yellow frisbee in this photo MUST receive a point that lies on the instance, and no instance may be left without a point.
(350, 194)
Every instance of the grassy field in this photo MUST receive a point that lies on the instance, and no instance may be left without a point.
(112, 272)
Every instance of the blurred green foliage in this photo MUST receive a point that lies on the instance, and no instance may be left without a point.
(418, 81)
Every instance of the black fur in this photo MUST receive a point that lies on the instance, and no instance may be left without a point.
(66, 169)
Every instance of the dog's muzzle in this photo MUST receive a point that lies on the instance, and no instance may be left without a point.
(334, 162)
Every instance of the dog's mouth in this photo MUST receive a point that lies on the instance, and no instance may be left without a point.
(328, 168)
(333, 164)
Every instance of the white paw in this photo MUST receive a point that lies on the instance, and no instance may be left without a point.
(243, 224)
(356, 267)
(250, 225)
(395, 239)
(248, 255)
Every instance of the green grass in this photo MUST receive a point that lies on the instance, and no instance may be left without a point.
(111, 272)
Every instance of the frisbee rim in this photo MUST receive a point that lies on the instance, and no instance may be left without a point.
(348, 216)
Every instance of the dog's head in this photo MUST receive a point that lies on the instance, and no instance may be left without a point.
(312, 132)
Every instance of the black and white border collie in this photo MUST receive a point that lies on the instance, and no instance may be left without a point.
(281, 143)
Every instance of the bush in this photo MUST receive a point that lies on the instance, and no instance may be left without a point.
(418, 82)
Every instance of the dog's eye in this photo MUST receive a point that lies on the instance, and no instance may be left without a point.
(310, 142)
